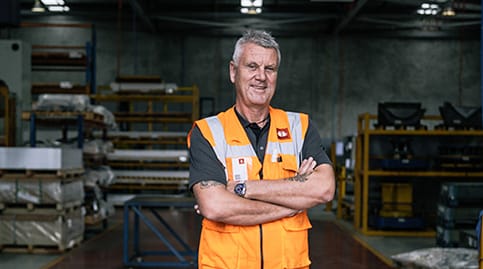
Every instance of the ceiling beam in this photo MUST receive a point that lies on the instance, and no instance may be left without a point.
(140, 12)
(352, 13)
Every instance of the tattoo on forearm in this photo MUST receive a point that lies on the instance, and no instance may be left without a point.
(298, 178)
(208, 184)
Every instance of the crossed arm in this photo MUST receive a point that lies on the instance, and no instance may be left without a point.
(266, 200)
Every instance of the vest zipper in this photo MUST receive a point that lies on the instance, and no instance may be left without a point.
(261, 246)
(261, 227)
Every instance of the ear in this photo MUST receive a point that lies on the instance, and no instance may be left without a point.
(232, 71)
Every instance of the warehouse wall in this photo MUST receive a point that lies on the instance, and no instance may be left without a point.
(333, 79)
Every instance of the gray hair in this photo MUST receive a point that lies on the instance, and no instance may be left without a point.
(258, 37)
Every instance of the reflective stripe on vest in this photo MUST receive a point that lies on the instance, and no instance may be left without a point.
(223, 150)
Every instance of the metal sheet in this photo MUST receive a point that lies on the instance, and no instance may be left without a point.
(41, 191)
(151, 174)
(150, 134)
(146, 177)
(21, 158)
(44, 229)
(143, 87)
(149, 155)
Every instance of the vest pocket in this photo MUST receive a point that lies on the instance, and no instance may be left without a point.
(296, 246)
(289, 166)
(218, 245)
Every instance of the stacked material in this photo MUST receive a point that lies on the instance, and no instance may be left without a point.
(41, 228)
(41, 198)
(97, 208)
(57, 192)
(458, 209)
(78, 103)
(438, 258)
(164, 170)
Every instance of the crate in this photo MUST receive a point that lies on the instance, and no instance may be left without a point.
(461, 193)
(449, 237)
(457, 217)
(399, 114)
(460, 117)
(397, 199)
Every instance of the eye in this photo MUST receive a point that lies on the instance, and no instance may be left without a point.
(252, 67)
(270, 69)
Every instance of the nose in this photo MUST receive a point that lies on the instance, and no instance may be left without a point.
(260, 75)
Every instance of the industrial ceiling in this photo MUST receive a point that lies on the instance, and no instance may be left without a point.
(381, 18)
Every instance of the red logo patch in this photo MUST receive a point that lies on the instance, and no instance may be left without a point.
(283, 133)
(241, 161)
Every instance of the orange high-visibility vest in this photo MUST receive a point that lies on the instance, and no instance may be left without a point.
(278, 244)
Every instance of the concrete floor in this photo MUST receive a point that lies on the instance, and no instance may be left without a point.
(382, 247)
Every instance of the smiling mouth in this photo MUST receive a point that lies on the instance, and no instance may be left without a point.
(259, 87)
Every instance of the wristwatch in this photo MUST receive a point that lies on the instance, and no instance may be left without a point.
(240, 189)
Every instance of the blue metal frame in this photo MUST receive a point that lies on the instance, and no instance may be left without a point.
(33, 130)
(91, 61)
(139, 206)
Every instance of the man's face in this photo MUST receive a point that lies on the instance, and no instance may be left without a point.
(255, 77)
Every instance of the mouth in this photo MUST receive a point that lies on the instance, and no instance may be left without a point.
(259, 87)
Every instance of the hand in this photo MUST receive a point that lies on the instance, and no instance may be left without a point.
(307, 167)
(230, 185)
(295, 212)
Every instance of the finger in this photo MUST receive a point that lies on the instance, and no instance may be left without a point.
(313, 164)
(305, 165)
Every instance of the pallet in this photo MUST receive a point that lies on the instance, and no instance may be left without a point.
(55, 116)
(41, 174)
(31, 207)
(40, 249)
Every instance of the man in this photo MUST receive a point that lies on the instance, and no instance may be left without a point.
(254, 170)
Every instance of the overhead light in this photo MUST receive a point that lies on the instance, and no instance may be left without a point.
(449, 11)
(251, 10)
(53, 2)
(58, 8)
(38, 7)
(251, 3)
(55, 5)
(251, 7)
(429, 9)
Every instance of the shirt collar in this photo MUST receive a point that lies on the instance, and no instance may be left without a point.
(246, 124)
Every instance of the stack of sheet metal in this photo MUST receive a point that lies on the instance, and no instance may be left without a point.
(41, 198)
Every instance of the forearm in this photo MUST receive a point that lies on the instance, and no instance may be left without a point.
(216, 203)
(298, 192)
(252, 212)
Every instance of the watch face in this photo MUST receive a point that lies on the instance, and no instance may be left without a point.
(240, 189)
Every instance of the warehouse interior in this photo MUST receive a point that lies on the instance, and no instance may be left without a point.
(97, 98)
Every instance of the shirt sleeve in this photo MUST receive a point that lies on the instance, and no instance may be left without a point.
(204, 165)
(313, 146)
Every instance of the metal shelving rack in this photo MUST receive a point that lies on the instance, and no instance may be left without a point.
(81, 120)
(150, 116)
(150, 150)
(366, 172)
(71, 58)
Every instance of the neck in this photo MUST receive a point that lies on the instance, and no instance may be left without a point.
(257, 116)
